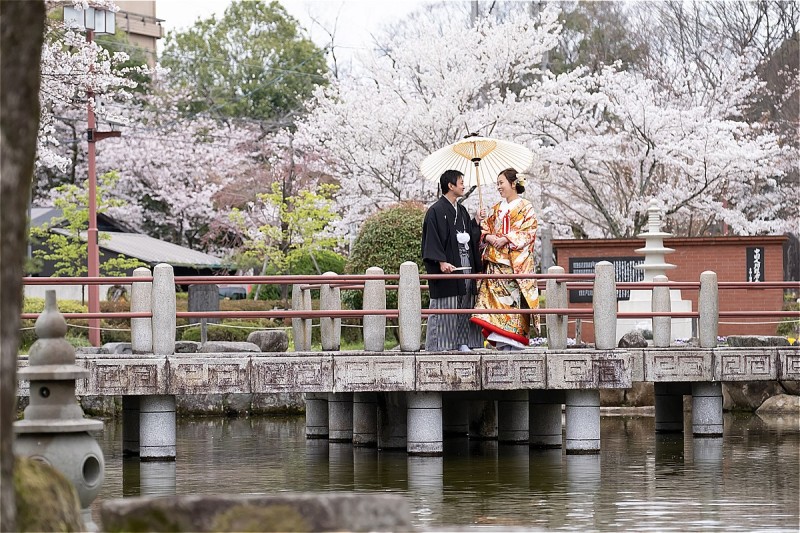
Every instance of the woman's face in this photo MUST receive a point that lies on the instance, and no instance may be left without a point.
(505, 188)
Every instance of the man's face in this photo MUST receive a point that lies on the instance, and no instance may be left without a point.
(458, 188)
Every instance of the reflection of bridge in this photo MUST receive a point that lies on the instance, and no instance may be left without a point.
(410, 399)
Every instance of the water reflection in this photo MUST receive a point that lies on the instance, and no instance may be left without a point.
(748, 480)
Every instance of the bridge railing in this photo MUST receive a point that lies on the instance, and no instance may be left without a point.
(153, 313)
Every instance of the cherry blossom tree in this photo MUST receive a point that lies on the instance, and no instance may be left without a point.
(606, 140)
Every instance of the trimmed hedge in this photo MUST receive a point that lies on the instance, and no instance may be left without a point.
(302, 265)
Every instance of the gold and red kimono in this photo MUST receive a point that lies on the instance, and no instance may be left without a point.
(517, 222)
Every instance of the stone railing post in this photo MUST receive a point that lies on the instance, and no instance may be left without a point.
(556, 298)
(409, 307)
(708, 307)
(141, 328)
(163, 301)
(301, 327)
(604, 301)
(662, 325)
(330, 329)
(374, 326)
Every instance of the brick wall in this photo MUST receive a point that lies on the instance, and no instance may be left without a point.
(724, 255)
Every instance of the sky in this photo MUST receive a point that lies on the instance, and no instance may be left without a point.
(357, 19)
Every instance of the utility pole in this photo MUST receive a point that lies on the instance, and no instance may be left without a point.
(92, 19)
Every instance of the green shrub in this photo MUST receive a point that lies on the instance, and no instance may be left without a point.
(36, 305)
(219, 332)
(789, 327)
(303, 265)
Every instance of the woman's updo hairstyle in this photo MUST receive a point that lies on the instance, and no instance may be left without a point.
(517, 182)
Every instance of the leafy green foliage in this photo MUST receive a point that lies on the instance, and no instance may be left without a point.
(253, 62)
(302, 264)
(387, 239)
(790, 327)
(66, 249)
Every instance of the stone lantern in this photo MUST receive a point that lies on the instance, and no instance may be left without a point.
(54, 430)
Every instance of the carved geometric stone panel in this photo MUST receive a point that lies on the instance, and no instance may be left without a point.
(790, 363)
(125, 375)
(291, 374)
(589, 370)
(678, 365)
(192, 374)
(743, 364)
(373, 373)
(513, 372)
(448, 373)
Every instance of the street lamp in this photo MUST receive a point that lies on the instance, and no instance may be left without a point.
(93, 21)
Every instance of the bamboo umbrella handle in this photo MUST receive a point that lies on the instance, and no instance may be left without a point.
(478, 181)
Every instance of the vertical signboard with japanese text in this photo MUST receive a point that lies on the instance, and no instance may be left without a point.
(755, 263)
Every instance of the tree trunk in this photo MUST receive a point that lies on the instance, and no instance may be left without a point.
(21, 35)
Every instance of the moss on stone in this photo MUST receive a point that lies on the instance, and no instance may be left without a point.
(46, 500)
(250, 518)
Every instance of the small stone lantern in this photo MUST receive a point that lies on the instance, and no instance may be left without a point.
(54, 430)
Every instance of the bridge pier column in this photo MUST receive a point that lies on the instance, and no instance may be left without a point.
(157, 428)
(392, 420)
(424, 423)
(544, 418)
(483, 420)
(707, 409)
(455, 415)
(130, 426)
(316, 415)
(669, 407)
(340, 416)
(365, 419)
(374, 298)
(583, 421)
(512, 417)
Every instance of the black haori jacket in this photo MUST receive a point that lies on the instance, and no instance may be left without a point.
(439, 244)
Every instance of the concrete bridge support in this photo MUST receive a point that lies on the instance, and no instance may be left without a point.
(556, 299)
(424, 423)
(365, 419)
(340, 416)
(707, 409)
(544, 416)
(157, 428)
(483, 420)
(512, 417)
(130, 426)
(141, 302)
(316, 415)
(392, 420)
(605, 308)
(330, 328)
(455, 415)
(374, 325)
(409, 308)
(669, 407)
(582, 410)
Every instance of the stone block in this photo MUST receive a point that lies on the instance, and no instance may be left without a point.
(641, 394)
(791, 386)
(23, 385)
(789, 363)
(281, 512)
(754, 341)
(270, 340)
(738, 364)
(277, 403)
(228, 347)
(781, 405)
(130, 375)
(448, 373)
(749, 395)
(612, 397)
(118, 348)
(633, 339)
(667, 364)
(200, 404)
(210, 374)
(186, 346)
(514, 372)
(589, 369)
(204, 298)
(356, 373)
(306, 373)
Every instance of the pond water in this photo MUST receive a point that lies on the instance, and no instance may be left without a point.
(748, 480)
